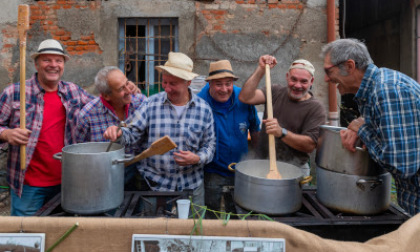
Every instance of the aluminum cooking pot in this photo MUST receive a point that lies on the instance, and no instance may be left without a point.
(331, 155)
(92, 179)
(253, 191)
(354, 194)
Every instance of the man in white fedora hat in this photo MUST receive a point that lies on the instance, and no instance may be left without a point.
(186, 119)
(232, 121)
(52, 106)
(297, 114)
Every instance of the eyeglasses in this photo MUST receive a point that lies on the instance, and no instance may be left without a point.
(327, 69)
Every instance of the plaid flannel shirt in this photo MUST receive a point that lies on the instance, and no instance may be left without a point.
(192, 131)
(95, 118)
(389, 101)
(73, 98)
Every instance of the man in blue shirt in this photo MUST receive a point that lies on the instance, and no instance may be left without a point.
(232, 120)
(389, 104)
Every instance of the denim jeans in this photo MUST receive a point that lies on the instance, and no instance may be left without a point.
(33, 198)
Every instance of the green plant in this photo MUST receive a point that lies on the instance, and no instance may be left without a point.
(199, 212)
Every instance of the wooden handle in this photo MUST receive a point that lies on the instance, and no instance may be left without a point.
(273, 173)
(23, 27)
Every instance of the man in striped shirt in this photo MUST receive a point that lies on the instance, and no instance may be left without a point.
(389, 104)
(116, 104)
(186, 119)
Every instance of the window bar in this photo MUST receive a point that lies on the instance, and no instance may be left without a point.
(136, 57)
(159, 47)
(147, 58)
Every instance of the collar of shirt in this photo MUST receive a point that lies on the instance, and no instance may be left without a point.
(367, 85)
(109, 106)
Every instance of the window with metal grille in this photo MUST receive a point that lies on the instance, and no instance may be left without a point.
(143, 44)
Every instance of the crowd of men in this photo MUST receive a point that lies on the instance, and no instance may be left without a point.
(211, 129)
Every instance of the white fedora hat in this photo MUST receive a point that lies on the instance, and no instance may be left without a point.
(50, 46)
(179, 65)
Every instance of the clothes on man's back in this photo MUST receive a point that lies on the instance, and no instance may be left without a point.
(299, 117)
(192, 131)
(96, 117)
(72, 97)
(44, 170)
(232, 120)
(389, 101)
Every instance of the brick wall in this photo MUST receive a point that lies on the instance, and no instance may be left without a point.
(45, 13)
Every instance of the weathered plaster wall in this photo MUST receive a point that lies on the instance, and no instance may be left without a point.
(238, 30)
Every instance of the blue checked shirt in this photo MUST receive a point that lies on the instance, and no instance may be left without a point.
(73, 98)
(95, 118)
(192, 131)
(389, 101)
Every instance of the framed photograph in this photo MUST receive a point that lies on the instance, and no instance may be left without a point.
(28, 242)
(166, 243)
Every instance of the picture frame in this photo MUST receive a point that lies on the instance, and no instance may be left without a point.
(28, 242)
(164, 243)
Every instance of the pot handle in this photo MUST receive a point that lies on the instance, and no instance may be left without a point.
(127, 158)
(230, 167)
(305, 180)
(374, 183)
(58, 156)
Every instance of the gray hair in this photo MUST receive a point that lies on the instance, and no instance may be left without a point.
(101, 79)
(344, 49)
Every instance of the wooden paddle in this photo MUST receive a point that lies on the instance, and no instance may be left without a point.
(273, 173)
(158, 147)
(23, 27)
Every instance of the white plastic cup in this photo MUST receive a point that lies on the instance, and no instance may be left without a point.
(183, 208)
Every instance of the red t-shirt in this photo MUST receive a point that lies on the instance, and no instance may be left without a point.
(43, 170)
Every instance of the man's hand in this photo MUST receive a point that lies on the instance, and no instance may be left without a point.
(112, 133)
(185, 158)
(267, 59)
(16, 136)
(349, 139)
(272, 127)
(133, 88)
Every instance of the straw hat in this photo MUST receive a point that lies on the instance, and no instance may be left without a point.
(220, 69)
(179, 65)
(303, 64)
(50, 46)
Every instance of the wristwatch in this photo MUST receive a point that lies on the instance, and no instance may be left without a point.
(283, 133)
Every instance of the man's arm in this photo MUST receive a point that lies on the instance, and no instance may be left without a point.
(249, 93)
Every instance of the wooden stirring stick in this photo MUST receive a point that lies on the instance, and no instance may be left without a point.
(273, 173)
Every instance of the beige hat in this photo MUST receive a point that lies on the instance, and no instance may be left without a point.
(220, 69)
(303, 64)
(50, 46)
(179, 65)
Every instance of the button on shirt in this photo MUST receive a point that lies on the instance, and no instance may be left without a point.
(95, 118)
(192, 131)
(389, 101)
(73, 98)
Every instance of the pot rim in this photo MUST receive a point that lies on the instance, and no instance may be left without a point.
(115, 147)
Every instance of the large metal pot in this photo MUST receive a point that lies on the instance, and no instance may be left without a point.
(92, 179)
(253, 191)
(331, 155)
(354, 194)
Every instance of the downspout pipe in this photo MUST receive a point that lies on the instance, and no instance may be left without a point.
(333, 116)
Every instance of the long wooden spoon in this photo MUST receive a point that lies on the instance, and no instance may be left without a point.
(23, 27)
(273, 173)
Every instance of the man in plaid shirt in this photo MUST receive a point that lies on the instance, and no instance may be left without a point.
(389, 103)
(116, 104)
(186, 119)
(52, 106)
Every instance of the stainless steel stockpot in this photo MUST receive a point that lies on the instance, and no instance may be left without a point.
(92, 179)
(363, 195)
(253, 191)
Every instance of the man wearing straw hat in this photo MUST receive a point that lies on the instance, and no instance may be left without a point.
(52, 106)
(232, 120)
(297, 114)
(186, 119)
